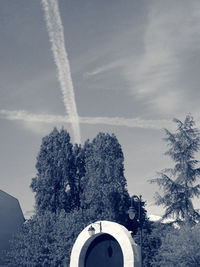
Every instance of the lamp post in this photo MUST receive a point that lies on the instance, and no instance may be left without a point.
(132, 214)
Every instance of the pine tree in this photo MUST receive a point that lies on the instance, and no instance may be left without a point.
(104, 185)
(179, 183)
(55, 184)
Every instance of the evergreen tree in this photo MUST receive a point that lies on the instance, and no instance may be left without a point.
(55, 182)
(74, 187)
(179, 183)
(79, 165)
(104, 185)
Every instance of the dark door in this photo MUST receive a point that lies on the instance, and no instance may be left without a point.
(104, 251)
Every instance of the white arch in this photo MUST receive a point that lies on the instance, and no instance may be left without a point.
(130, 250)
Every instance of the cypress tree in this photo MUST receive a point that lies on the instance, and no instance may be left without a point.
(104, 186)
(54, 184)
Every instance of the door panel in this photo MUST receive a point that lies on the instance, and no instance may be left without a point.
(104, 251)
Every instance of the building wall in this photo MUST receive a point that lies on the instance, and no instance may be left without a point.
(11, 218)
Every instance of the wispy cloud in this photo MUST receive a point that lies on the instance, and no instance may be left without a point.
(56, 36)
(172, 32)
(115, 121)
(104, 68)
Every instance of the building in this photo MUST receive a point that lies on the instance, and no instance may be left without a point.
(11, 218)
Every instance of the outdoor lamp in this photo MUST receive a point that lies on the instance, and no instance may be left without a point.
(131, 212)
(91, 230)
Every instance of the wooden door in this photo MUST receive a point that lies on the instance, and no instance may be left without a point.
(104, 251)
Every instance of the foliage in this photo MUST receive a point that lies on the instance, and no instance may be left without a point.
(33, 246)
(178, 183)
(55, 184)
(74, 186)
(180, 247)
(104, 187)
(152, 241)
(47, 240)
(79, 166)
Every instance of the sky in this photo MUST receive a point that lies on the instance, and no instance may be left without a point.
(123, 67)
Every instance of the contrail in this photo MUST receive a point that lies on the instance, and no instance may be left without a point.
(115, 121)
(23, 115)
(127, 122)
(56, 37)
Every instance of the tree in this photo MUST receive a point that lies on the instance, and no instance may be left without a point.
(104, 185)
(152, 241)
(74, 187)
(32, 245)
(180, 247)
(47, 239)
(79, 165)
(178, 183)
(55, 182)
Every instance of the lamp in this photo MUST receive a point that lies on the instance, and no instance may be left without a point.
(91, 229)
(132, 214)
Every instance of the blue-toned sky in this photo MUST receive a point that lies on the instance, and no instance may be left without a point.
(135, 65)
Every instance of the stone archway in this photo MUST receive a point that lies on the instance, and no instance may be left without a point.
(84, 246)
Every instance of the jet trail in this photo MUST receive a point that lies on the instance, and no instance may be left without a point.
(114, 121)
(56, 37)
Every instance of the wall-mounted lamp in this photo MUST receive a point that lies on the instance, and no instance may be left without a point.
(91, 229)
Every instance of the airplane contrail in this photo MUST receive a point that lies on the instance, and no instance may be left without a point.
(115, 121)
(56, 37)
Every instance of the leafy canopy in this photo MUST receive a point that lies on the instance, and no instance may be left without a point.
(74, 186)
(180, 247)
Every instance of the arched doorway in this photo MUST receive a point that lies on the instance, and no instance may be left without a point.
(111, 232)
(104, 251)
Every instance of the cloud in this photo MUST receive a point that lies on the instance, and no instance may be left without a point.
(157, 74)
(56, 36)
(55, 119)
(104, 68)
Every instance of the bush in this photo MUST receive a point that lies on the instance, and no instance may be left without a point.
(180, 247)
